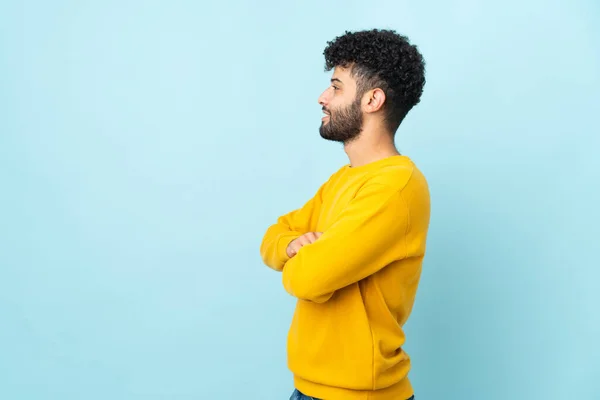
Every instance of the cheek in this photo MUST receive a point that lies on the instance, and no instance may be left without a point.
(334, 106)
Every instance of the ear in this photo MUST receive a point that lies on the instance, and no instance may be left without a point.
(374, 100)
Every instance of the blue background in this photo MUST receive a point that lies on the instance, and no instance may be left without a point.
(145, 147)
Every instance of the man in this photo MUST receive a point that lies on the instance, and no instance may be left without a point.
(352, 254)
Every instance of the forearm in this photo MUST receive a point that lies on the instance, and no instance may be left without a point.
(274, 245)
(369, 234)
(322, 268)
(287, 228)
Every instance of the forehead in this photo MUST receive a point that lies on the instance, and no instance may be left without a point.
(343, 74)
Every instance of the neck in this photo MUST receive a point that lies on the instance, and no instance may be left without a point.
(370, 146)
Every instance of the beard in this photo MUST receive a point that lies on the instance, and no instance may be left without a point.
(344, 125)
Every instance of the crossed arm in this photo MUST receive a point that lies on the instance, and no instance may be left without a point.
(368, 234)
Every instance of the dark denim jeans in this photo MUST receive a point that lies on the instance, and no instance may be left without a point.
(298, 395)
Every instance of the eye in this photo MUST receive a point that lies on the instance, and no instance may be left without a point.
(335, 87)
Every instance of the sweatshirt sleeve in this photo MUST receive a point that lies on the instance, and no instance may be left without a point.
(287, 228)
(368, 235)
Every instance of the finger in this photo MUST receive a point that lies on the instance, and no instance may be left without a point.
(303, 240)
(314, 236)
(311, 237)
(296, 246)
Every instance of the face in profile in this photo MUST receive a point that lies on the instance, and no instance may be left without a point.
(343, 115)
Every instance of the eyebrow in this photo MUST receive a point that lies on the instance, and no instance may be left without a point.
(336, 80)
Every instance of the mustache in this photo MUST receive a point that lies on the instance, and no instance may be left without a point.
(326, 111)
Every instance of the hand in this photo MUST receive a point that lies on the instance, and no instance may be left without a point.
(303, 240)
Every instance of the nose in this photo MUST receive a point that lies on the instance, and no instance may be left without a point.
(324, 98)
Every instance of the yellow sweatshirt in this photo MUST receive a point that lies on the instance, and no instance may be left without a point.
(356, 284)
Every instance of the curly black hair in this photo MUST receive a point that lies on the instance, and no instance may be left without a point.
(381, 59)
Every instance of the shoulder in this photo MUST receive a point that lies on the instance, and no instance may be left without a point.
(399, 176)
